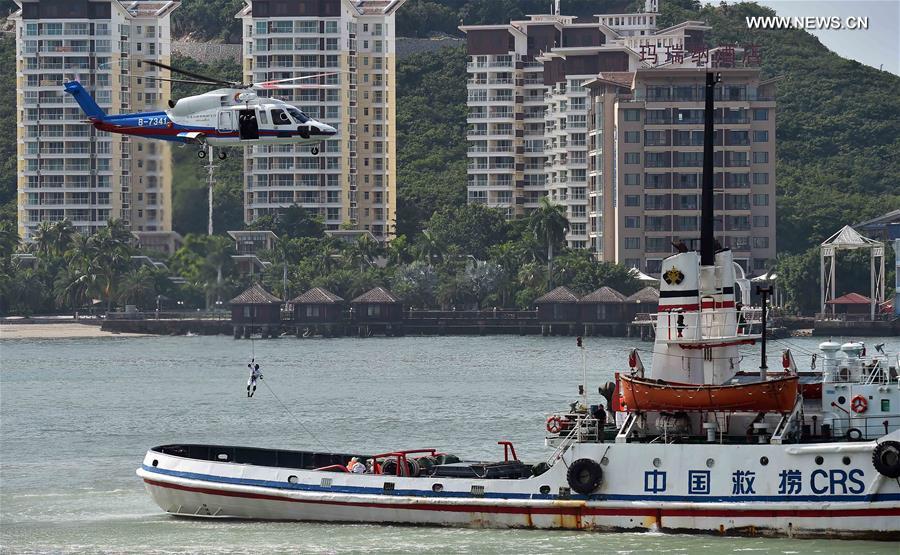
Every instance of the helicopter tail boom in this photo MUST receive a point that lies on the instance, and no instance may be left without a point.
(85, 100)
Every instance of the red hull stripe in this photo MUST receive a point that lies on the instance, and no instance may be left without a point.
(583, 511)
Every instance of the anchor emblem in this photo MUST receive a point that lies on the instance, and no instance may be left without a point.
(673, 276)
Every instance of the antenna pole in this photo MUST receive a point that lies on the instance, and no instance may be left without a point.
(209, 184)
(764, 292)
(707, 231)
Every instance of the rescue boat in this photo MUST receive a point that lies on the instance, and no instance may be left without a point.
(775, 395)
(742, 463)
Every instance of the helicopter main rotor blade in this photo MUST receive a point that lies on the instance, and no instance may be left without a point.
(184, 81)
(268, 84)
(206, 78)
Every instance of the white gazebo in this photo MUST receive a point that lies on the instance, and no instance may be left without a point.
(850, 239)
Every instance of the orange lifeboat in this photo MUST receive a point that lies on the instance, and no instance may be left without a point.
(777, 395)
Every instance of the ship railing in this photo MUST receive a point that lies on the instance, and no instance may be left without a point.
(788, 423)
(864, 427)
(585, 428)
(627, 428)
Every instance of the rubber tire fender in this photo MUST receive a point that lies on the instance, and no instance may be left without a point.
(886, 458)
(585, 476)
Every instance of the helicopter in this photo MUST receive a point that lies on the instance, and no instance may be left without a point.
(225, 117)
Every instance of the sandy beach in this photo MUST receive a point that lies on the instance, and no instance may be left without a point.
(68, 330)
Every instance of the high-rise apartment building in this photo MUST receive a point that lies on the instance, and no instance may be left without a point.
(66, 168)
(536, 129)
(352, 182)
(646, 147)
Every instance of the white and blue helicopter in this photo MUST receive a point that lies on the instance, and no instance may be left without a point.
(226, 117)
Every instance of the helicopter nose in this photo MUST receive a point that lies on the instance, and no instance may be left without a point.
(328, 130)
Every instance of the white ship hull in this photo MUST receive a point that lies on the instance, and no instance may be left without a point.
(696, 488)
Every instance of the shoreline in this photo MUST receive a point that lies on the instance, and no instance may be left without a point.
(63, 330)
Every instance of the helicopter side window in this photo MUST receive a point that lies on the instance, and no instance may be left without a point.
(279, 117)
(298, 115)
(263, 117)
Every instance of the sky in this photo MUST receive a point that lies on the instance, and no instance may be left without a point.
(878, 46)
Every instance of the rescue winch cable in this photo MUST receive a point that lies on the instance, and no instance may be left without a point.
(300, 422)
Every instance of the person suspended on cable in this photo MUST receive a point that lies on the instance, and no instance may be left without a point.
(255, 375)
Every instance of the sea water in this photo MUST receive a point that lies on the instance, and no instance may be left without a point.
(77, 415)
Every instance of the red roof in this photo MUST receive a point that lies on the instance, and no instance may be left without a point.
(851, 298)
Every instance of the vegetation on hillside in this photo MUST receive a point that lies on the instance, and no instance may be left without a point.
(507, 268)
(8, 157)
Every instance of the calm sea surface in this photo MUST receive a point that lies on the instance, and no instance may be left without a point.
(77, 415)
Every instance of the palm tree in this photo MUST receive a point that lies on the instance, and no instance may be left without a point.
(285, 251)
(62, 233)
(429, 248)
(549, 225)
(71, 287)
(110, 258)
(219, 251)
(138, 286)
(43, 239)
(9, 239)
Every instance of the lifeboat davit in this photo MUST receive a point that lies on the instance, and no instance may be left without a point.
(776, 395)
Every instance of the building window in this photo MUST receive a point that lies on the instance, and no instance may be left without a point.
(632, 157)
(760, 199)
(760, 136)
(632, 114)
(632, 179)
(760, 157)
(760, 242)
(760, 114)
(632, 136)
(760, 221)
(760, 179)
(633, 243)
(632, 222)
(632, 200)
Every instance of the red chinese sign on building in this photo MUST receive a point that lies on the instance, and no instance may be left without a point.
(725, 55)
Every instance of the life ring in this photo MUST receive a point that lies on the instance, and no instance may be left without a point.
(886, 459)
(585, 476)
(554, 424)
(854, 434)
(859, 404)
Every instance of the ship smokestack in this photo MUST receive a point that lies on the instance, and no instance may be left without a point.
(707, 231)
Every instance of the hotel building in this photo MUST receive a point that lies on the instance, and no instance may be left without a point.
(66, 168)
(352, 182)
(548, 102)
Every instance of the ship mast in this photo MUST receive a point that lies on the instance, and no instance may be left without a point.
(707, 230)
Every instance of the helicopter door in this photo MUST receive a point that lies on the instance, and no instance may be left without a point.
(226, 121)
(248, 125)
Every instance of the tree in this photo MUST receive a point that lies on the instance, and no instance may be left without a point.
(474, 228)
(429, 248)
(218, 254)
(549, 225)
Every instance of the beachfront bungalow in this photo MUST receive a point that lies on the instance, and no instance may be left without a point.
(377, 305)
(645, 301)
(558, 308)
(256, 311)
(605, 305)
(317, 306)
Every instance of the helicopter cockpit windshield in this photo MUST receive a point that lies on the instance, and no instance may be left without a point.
(298, 115)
